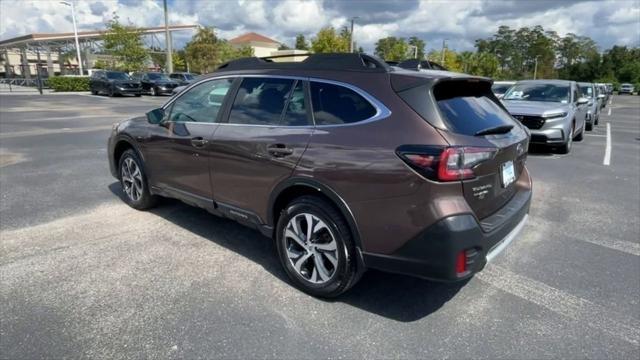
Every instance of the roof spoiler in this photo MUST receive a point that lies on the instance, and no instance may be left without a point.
(328, 61)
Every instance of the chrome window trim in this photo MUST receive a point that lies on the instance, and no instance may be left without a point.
(382, 112)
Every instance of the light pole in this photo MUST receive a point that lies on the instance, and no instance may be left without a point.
(167, 36)
(415, 51)
(535, 68)
(75, 33)
(444, 44)
(350, 34)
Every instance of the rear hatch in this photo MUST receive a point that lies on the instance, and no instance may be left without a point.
(488, 145)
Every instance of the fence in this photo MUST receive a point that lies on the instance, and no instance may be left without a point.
(22, 84)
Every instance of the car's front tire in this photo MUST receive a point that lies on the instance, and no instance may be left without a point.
(566, 147)
(134, 181)
(316, 248)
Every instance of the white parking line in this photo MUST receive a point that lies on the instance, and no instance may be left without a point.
(559, 302)
(607, 150)
(609, 112)
(595, 135)
(619, 245)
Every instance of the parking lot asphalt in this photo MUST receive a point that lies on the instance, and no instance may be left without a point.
(84, 275)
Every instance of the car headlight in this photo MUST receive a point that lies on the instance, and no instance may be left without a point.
(555, 115)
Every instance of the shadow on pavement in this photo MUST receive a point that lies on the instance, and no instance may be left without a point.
(398, 297)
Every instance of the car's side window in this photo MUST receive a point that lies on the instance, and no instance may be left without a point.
(260, 101)
(334, 104)
(296, 114)
(201, 103)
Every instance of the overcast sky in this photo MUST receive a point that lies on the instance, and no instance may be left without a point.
(608, 22)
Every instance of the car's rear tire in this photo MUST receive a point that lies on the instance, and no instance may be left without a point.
(134, 181)
(316, 248)
(138, 95)
(94, 92)
(589, 126)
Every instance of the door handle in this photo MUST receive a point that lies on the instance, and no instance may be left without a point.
(279, 150)
(199, 142)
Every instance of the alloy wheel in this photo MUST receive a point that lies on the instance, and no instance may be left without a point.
(311, 248)
(131, 179)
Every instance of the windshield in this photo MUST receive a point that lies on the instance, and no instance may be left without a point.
(115, 75)
(539, 92)
(500, 88)
(157, 76)
(189, 76)
(586, 91)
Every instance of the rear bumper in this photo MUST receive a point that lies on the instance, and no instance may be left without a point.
(432, 254)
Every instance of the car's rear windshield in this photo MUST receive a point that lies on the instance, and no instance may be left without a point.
(586, 90)
(465, 107)
(116, 75)
(539, 92)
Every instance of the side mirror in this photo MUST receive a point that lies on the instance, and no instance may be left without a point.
(155, 116)
(500, 96)
(582, 101)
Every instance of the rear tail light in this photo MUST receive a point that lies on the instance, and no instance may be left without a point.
(445, 164)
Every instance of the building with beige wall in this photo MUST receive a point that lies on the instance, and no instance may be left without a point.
(261, 45)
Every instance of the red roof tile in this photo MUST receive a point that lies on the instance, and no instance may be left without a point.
(248, 37)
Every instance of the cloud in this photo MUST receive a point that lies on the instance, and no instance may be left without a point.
(608, 22)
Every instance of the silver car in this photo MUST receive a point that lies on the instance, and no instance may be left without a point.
(499, 88)
(553, 110)
(590, 91)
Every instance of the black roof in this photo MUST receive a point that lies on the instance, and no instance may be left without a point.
(328, 61)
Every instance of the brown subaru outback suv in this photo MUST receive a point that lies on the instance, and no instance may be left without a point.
(347, 163)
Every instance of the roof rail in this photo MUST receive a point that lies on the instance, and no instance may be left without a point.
(327, 61)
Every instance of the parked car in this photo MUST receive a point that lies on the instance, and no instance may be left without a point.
(604, 90)
(601, 96)
(182, 78)
(626, 88)
(419, 65)
(155, 83)
(347, 163)
(553, 110)
(590, 92)
(113, 83)
(499, 88)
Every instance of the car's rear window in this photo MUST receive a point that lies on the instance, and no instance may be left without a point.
(466, 107)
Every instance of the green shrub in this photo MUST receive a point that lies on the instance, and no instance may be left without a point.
(69, 83)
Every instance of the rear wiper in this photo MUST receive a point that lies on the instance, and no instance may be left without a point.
(502, 129)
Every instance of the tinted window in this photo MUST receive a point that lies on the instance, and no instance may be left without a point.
(539, 92)
(156, 76)
(116, 75)
(260, 101)
(334, 104)
(469, 114)
(201, 103)
(296, 114)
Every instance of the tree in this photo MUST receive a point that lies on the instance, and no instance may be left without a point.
(301, 43)
(206, 51)
(392, 49)
(328, 41)
(202, 51)
(419, 44)
(283, 47)
(124, 43)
